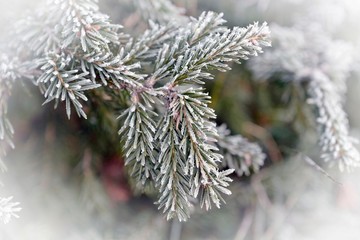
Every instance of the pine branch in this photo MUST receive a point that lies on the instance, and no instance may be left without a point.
(312, 57)
(214, 48)
(190, 157)
(83, 24)
(109, 68)
(173, 179)
(37, 34)
(174, 150)
(335, 141)
(78, 53)
(145, 47)
(194, 115)
(67, 24)
(169, 58)
(219, 49)
(187, 126)
(239, 153)
(60, 82)
(137, 134)
(206, 23)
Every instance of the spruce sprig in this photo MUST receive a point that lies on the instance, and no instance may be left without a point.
(167, 132)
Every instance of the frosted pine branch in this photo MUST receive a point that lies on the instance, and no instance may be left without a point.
(137, 134)
(78, 51)
(146, 47)
(110, 69)
(332, 123)
(83, 24)
(8, 209)
(187, 159)
(205, 44)
(60, 83)
(312, 57)
(219, 49)
(297, 51)
(239, 153)
(167, 130)
(67, 24)
(173, 180)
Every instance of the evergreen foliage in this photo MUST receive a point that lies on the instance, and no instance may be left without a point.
(239, 153)
(154, 83)
(168, 135)
(309, 59)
